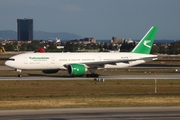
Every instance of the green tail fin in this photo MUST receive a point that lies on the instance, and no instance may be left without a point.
(145, 45)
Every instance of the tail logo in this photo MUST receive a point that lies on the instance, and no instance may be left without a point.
(146, 43)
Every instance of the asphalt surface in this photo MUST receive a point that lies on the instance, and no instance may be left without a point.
(5, 68)
(114, 113)
(102, 77)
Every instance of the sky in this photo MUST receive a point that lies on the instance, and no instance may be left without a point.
(100, 19)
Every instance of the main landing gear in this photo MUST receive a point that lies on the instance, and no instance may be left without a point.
(95, 76)
(19, 72)
(92, 75)
(92, 70)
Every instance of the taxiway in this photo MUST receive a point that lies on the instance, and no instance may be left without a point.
(113, 113)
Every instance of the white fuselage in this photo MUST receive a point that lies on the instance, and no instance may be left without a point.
(45, 61)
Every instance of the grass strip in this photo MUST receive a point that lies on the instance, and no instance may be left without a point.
(91, 101)
(77, 93)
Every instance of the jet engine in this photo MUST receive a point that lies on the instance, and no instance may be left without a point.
(76, 69)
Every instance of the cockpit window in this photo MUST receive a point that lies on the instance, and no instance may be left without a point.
(12, 59)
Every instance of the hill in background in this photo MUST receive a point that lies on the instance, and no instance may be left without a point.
(39, 35)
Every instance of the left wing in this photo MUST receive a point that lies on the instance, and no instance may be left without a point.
(97, 64)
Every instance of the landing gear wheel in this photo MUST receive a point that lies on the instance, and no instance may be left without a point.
(19, 75)
(96, 75)
(92, 75)
(87, 75)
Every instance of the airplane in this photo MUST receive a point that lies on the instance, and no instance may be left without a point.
(76, 64)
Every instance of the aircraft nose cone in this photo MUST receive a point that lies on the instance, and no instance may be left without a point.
(10, 63)
(7, 63)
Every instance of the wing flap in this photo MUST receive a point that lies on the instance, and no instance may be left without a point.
(102, 63)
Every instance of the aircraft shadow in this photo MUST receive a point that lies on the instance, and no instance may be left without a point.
(48, 75)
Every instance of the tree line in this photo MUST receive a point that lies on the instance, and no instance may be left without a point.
(158, 48)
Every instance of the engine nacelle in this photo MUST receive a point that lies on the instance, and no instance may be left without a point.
(76, 69)
(50, 71)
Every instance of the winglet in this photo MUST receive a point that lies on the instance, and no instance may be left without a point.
(145, 45)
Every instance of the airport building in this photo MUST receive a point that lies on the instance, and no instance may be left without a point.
(25, 29)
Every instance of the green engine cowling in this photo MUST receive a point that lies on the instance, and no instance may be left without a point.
(76, 69)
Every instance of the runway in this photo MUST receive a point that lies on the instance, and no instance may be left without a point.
(113, 113)
(105, 77)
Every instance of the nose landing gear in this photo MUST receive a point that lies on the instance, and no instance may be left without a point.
(19, 72)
